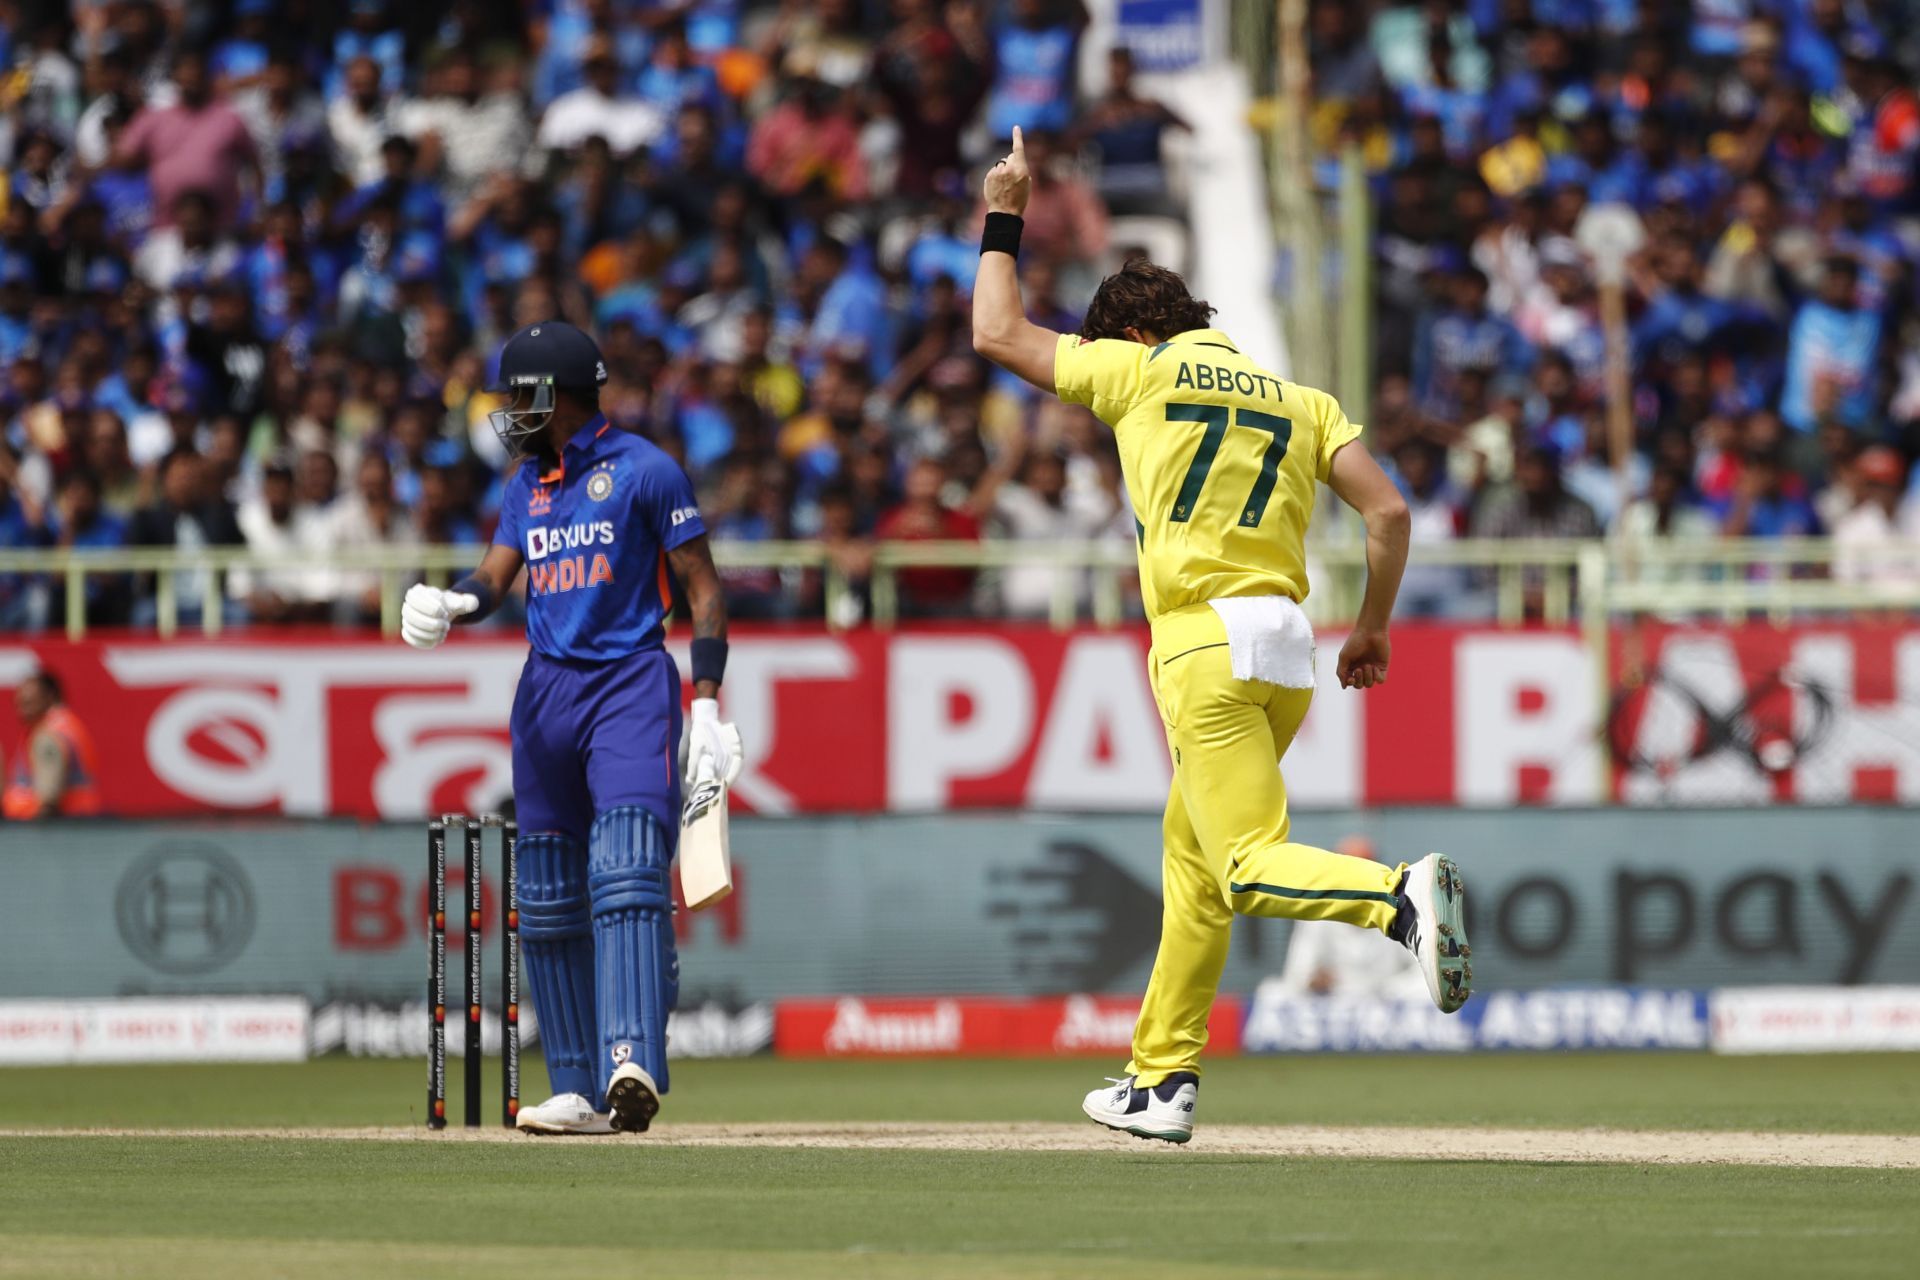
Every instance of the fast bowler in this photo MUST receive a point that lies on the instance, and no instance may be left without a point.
(1221, 459)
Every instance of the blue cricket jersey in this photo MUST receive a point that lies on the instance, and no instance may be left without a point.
(595, 531)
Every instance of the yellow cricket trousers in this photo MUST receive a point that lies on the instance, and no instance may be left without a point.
(1226, 836)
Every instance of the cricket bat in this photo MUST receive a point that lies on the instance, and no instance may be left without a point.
(706, 866)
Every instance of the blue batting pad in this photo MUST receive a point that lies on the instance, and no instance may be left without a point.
(556, 947)
(629, 859)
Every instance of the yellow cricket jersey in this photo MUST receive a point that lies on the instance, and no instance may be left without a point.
(1220, 459)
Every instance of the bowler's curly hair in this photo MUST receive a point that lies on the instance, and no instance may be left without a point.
(1146, 298)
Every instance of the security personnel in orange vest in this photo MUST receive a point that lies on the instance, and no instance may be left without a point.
(52, 769)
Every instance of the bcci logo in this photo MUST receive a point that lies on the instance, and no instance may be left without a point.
(599, 485)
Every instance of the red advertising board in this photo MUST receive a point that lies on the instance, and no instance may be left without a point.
(974, 1027)
(1021, 717)
(1809, 714)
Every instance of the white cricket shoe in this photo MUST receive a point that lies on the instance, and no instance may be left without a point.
(1433, 925)
(633, 1100)
(1163, 1111)
(563, 1113)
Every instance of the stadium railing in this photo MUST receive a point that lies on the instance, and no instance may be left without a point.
(1506, 582)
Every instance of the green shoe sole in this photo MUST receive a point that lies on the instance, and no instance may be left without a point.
(1450, 912)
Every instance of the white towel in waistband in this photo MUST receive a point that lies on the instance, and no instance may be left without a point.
(1268, 638)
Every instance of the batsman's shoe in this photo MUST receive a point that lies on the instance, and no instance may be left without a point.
(1432, 923)
(1163, 1111)
(563, 1113)
(633, 1100)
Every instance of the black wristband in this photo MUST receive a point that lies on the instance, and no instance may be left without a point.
(1002, 234)
(479, 591)
(709, 659)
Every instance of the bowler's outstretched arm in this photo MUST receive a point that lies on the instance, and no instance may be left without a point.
(1001, 331)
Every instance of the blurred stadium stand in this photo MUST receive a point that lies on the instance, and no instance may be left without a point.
(255, 261)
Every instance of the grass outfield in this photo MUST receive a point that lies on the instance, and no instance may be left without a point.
(229, 1207)
(1857, 1093)
(220, 1208)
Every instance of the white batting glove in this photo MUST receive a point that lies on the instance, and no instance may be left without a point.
(713, 745)
(427, 614)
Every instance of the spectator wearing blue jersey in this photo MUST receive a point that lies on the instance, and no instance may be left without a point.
(16, 306)
(1833, 348)
(1816, 29)
(1463, 335)
(1680, 319)
(1676, 170)
(1597, 165)
(1459, 111)
(1719, 27)
(569, 30)
(1874, 243)
(1034, 54)
(672, 80)
(369, 34)
(22, 597)
(36, 180)
(417, 201)
(851, 315)
(240, 60)
(269, 266)
(945, 246)
(1768, 501)
(123, 390)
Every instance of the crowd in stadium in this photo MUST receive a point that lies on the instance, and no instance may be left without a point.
(256, 259)
(1768, 148)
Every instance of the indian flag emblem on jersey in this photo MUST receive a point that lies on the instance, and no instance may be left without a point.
(599, 485)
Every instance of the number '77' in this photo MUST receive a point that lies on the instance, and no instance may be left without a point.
(1215, 418)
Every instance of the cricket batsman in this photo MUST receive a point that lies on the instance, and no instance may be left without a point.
(1220, 459)
(596, 515)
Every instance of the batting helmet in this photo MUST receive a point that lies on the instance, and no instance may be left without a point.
(536, 362)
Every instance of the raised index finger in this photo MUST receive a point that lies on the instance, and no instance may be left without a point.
(1019, 145)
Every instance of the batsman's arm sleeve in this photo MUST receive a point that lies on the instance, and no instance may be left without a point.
(490, 582)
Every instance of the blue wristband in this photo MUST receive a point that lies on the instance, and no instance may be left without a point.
(479, 591)
(709, 659)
